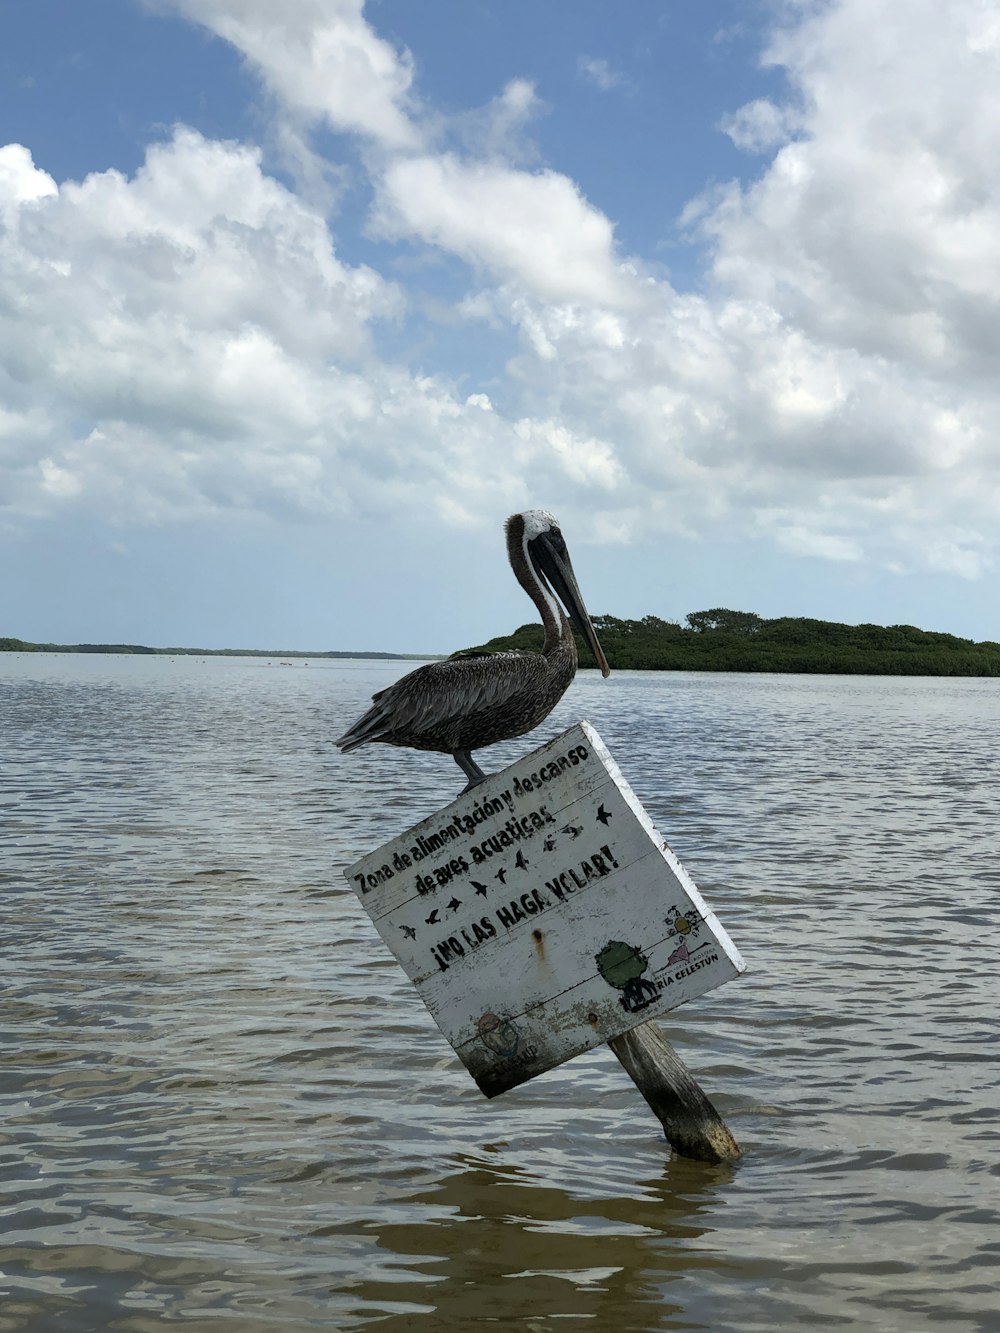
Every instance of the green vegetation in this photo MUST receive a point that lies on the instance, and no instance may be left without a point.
(724, 640)
(20, 646)
(715, 640)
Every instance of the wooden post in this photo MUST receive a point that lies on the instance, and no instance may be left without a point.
(692, 1125)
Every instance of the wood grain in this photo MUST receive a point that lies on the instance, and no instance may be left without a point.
(692, 1125)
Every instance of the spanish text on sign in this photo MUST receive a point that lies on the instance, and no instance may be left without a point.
(542, 914)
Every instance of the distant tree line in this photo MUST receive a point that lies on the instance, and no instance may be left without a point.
(715, 640)
(723, 640)
(20, 646)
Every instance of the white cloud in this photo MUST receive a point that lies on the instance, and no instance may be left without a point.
(591, 462)
(142, 342)
(840, 370)
(760, 125)
(499, 130)
(598, 72)
(533, 229)
(189, 339)
(20, 180)
(810, 539)
(879, 226)
(322, 59)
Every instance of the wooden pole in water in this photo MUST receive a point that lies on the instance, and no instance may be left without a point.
(498, 888)
(692, 1125)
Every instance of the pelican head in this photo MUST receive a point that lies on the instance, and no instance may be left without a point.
(538, 534)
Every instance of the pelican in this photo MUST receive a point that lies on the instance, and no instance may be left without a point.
(476, 699)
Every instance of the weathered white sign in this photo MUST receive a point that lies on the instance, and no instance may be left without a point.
(542, 914)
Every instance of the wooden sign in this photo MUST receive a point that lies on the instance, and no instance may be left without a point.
(541, 914)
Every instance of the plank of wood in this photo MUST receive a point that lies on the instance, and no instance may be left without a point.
(542, 914)
(692, 1125)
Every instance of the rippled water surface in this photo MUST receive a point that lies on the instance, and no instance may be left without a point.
(223, 1105)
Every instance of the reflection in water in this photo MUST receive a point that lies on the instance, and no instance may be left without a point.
(500, 1241)
(221, 1100)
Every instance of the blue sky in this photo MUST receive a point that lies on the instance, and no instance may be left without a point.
(298, 302)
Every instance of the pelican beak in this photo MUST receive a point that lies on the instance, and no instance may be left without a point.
(553, 559)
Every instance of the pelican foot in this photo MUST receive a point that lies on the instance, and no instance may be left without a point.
(471, 770)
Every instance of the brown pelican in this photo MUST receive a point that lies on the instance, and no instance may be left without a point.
(476, 699)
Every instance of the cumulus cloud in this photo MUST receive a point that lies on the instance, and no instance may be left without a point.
(834, 388)
(321, 58)
(500, 130)
(760, 125)
(141, 336)
(190, 339)
(874, 237)
(878, 226)
(187, 341)
(20, 180)
(532, 228)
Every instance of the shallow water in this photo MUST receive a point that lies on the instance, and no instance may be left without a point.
(223, 1105)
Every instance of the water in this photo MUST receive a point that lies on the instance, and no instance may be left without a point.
(223, 1106)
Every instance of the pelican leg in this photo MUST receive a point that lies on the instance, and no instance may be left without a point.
(470, 768)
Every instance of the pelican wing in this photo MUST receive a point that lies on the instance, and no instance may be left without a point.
(430, 707)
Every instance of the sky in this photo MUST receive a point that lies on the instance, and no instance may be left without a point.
(298, 302)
